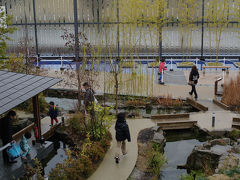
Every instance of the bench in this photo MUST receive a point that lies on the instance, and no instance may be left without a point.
(216, 67)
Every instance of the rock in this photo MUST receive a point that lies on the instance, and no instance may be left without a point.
(155, 128)
(206, 145)
(223, 142)
(137, 174)
(202, 159)
(238, 141)
(159, 139)
(227, 162)
(236, 148)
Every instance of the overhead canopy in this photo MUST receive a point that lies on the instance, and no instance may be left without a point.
(16, 88)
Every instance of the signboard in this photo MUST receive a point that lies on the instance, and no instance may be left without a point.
(3, 17)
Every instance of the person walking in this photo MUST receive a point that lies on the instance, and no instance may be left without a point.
(161, 70)
(193, 80)
(122, 133)
(53, 112)
(6, 133)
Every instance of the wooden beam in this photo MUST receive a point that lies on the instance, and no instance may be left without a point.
(19, 134)
(36, 112)
(170, 116)
(220, 104)
(176, 125)
(197, 105)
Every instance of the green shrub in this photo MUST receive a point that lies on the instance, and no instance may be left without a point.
(105, 142)
(76, 168)
(78, 124)
(95, 152)
(231, 172)
(234, 134)
(194, 175)
(157, 160)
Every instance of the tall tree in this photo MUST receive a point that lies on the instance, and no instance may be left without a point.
(5, 29)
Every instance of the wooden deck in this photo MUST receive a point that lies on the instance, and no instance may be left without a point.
(169, 125)
(38, 151)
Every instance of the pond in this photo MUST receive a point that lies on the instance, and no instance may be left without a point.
(178, 147)
(69, 105)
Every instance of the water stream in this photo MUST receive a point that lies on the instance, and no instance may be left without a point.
(178, 147)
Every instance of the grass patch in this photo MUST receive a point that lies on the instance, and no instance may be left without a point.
(231, 95)
(194, 175)
(214, 64)
(232, 172)
(153, 64)
(184, 64)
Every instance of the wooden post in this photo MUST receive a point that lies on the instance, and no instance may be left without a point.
(36, 112)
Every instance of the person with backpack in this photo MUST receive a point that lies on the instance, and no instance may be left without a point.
(161, 69)
(122, 134)
(193, 80)
(53, 112)
(6, 132)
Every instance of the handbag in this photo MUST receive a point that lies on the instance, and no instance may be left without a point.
(95, 99)
(191, 83)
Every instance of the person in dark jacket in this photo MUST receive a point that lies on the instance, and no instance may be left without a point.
(6, 131)
(53, 112)
(88, 96)
(122, 133)
(193, 80)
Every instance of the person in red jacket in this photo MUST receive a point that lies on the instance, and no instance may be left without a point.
(161, 69)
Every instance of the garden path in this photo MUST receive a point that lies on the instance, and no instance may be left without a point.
(109, 170)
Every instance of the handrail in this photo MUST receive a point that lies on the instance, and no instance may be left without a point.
(216, 86)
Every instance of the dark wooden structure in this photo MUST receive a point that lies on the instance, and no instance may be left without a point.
(196, 105)
(216, 92)
(16, 88)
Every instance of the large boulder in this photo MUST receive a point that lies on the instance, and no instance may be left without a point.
(213, 156)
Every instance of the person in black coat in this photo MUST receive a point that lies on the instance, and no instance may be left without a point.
(193, 80)
(122, 133)
(7, 132)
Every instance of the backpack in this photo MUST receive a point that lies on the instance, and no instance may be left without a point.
(14, 151)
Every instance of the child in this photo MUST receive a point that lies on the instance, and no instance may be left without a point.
(24, 144)
(122, 133)
(161, 69)
(53, 112)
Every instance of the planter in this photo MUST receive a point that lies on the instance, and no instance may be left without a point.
(185, 65)
(214, 64)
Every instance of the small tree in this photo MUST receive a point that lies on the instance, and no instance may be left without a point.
(187, 14)
(83, 72)
(218, 17)
(5, 21)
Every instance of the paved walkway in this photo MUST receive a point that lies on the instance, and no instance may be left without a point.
(108, 170)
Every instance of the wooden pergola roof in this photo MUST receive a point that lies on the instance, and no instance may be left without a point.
(16, 88)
